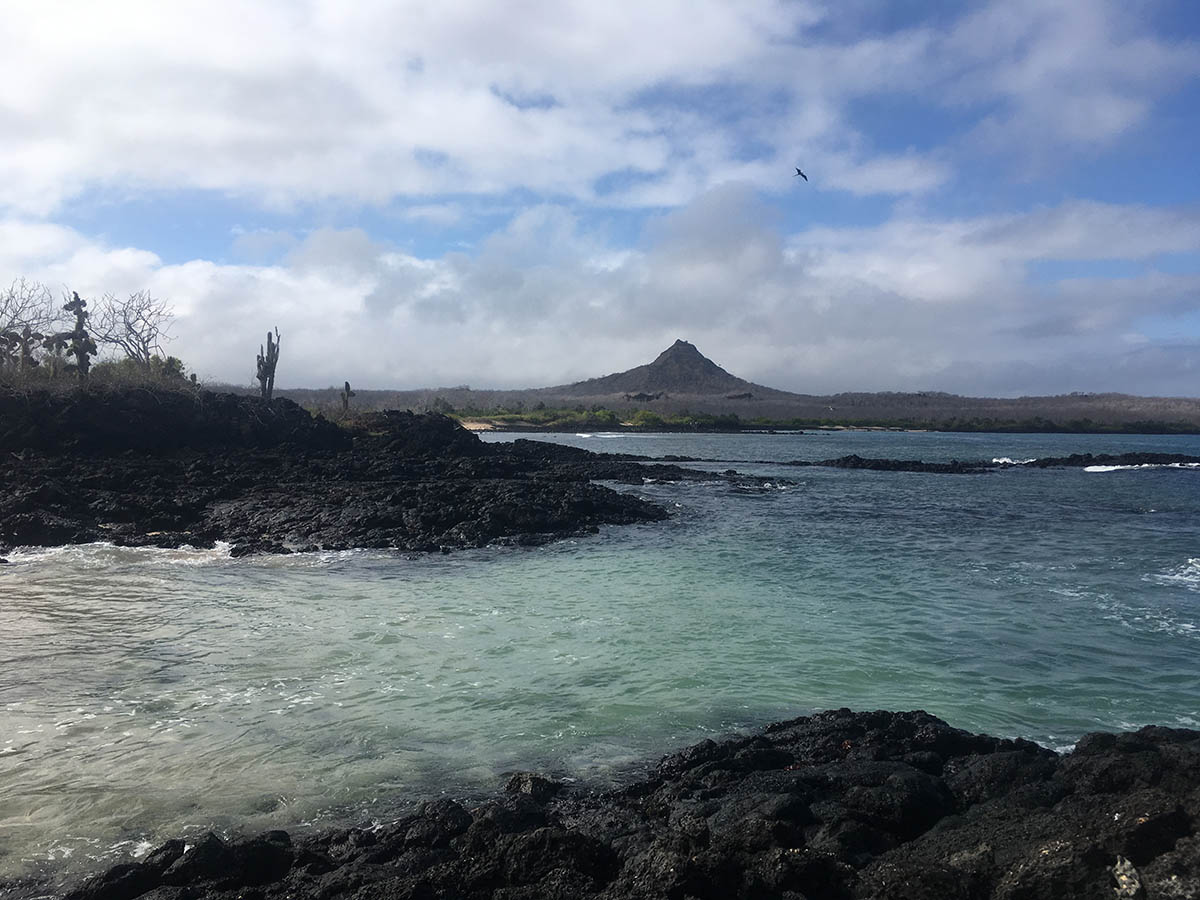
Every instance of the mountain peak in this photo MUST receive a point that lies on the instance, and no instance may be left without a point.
(679, 350)
(684, 369)
(680, 369)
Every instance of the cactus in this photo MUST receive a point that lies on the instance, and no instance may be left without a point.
(8, 348)
(77, 342)
(346, 394)
(266, 365)
(18, 347)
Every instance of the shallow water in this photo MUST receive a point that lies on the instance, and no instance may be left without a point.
(149, 693)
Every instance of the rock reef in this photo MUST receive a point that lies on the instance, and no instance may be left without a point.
(881, 805)
(979, 466)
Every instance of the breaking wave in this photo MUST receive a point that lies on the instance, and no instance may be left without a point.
(1186, 576)
(1142, 466)
(103, 554)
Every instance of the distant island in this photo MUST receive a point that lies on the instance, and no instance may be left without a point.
(683, 390)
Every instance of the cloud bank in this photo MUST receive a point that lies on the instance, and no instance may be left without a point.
(957, 304)
(508, 196)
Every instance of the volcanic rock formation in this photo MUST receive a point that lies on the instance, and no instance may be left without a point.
(680, 369)
(181, 468)
(886, 806)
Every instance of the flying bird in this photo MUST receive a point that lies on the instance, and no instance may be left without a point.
(801, 174)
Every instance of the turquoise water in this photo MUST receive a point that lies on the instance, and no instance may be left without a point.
(151, 693)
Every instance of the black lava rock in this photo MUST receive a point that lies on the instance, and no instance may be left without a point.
(836, 805)
(168, 469)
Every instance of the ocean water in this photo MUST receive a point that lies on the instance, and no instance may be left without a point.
(146, 694)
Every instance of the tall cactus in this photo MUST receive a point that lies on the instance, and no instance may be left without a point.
(18, 347)
(25, 341)
(77, 342)
(346, 394)
(266, 365)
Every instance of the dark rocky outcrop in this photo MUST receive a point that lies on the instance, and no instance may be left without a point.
(169, 468)
(888, 806)
(414, 435)
(954, 467)
(100, 421)
(1080, 460)
(976, 467)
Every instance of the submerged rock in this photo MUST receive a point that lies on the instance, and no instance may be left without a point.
(979, 466)
(836, 805)
(853, 461)
(1081, 460)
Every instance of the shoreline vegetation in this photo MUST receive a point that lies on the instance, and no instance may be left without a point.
(570, 421)
(536, 411)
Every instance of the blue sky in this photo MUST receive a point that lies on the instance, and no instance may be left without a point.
(1003, 197)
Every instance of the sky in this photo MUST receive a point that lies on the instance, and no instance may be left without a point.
(1003, 198)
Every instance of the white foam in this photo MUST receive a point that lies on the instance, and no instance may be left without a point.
(1009, 461)
(1186, 575)
(105, 553)
(1154, 619)
(1142, 466)
(315, 559)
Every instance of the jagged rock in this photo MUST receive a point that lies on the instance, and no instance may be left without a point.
(843, 805)
(1079, 460)
(193, 468)
(853, 461)
(976, 467)
(538, 787)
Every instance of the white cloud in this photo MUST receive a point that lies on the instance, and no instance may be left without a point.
(439, 215)
(362, 103)
(913, 304)
(889, 175)
(552, 116)
(1065, 75)
(261, 244)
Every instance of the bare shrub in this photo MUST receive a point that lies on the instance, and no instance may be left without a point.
(138, 325)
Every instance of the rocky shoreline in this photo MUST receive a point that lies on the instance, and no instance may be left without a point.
(166, 469)
(838, 805)
(191, 468)
(881, 805)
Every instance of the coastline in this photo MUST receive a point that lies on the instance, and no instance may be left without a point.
(474, 424)
(141, 469)
(172, 469)
(484, 424)
(839, 804)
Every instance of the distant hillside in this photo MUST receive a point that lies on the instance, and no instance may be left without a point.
(680, 369)
(682, 381)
